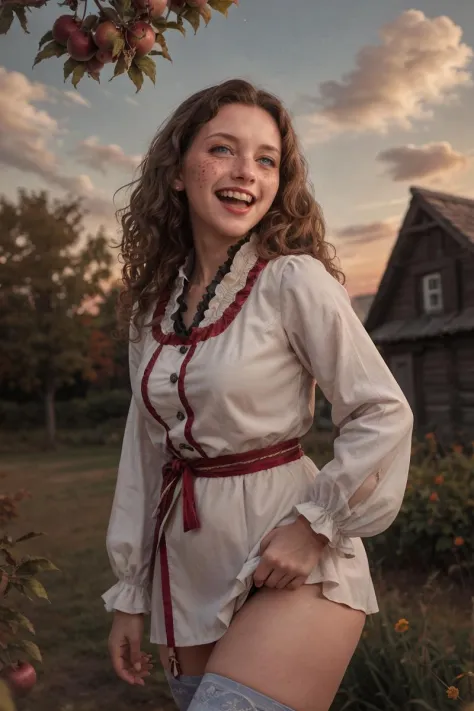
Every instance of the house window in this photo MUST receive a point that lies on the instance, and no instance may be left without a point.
(432, 293)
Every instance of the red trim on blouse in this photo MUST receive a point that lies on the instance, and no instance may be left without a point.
(185, 402)
(166, 592)
(147, 401)
(198, 333)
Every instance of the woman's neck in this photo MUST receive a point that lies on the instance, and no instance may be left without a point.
(210, 254)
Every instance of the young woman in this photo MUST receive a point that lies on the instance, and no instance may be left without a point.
(238, 310)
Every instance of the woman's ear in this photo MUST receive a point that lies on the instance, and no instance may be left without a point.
(178, 184)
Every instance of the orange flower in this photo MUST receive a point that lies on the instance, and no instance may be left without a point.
(452, 692)
(430, 436)
(402, 625)
(458, 448)
(439, 479)
(434, 496)
(459, 541)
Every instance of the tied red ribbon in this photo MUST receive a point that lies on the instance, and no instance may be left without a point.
(173, 471)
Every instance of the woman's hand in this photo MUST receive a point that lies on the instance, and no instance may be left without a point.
(129, 662)
(288, 555)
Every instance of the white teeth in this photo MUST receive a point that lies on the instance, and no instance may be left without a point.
(236, 195)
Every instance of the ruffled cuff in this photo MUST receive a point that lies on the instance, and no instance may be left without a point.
(322, 522)
(126, 597)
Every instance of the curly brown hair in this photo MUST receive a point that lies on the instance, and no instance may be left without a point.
(157, 233)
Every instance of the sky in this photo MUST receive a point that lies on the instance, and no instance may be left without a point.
(381, 93)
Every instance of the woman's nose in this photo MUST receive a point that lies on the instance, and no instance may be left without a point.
(244, 169)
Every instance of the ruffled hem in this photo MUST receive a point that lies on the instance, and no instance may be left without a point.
(325, 574)
(125, 597)
(323, 523)
(238, 593)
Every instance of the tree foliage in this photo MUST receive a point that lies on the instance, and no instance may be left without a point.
(125, 33)
(49, 272)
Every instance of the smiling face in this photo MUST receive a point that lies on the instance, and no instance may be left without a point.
(231, 172)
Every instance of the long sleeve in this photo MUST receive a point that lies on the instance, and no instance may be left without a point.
(130, 531)
(360, 491)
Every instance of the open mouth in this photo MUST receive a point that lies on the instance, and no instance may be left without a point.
(235, 197)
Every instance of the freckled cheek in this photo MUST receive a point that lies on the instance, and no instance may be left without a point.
(203, 174)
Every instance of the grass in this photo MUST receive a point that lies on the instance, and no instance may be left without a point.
(72, 491)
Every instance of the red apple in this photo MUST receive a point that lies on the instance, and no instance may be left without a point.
(104, 57)
(106, 34)
(155, 8)
(141, 37)
(21, 677)
(197, 3)
(81, 46)
(64, 27)
(177, 5)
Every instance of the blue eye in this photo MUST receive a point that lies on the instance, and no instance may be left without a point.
(270, 162)
(219, 149)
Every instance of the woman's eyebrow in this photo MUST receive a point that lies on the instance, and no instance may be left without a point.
(231, 137)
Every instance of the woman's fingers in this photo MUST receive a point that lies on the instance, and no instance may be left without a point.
(120, 663)
(285, 581)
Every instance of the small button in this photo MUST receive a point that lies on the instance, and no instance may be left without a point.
(183, 349)
(174, 378)
(181, 416)
(186, 446)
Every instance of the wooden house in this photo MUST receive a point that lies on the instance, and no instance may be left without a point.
(422, 316)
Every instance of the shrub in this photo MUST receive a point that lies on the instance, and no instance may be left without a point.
(95, 409)
(434, 529)
(408, 663)
(17, 574)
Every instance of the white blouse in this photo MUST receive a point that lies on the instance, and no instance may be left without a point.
(245, 380)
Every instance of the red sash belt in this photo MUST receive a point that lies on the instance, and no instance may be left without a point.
(185, 470)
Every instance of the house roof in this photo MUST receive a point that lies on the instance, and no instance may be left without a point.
(454, 214)
(456, 210)
(424, 326)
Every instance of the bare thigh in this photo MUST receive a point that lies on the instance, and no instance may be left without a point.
(292, 645)
(192, 660)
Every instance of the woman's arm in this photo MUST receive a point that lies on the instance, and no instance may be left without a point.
(130, 530)
(360, 491)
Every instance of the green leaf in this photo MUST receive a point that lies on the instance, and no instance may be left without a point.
(20, 12)
(119, 46)
(193, 16)
(46, 38)
(90, 22)
(30, 648)
(120, 66)
(136, 75)
(52, 49)
(147, 66)
(34, 587)
(35, 565)
(206, 14)
(221, 6)
(8, 556)
(9, 615)
(69, 66)
(28, 536)
(6, 701)
(162, 25)
(78, 73)
(162, 42)
(6, 19)
(111, 14)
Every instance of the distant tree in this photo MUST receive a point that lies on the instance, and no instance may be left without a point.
(49, 269)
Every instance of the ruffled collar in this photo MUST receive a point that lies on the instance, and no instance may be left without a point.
(221, 292)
